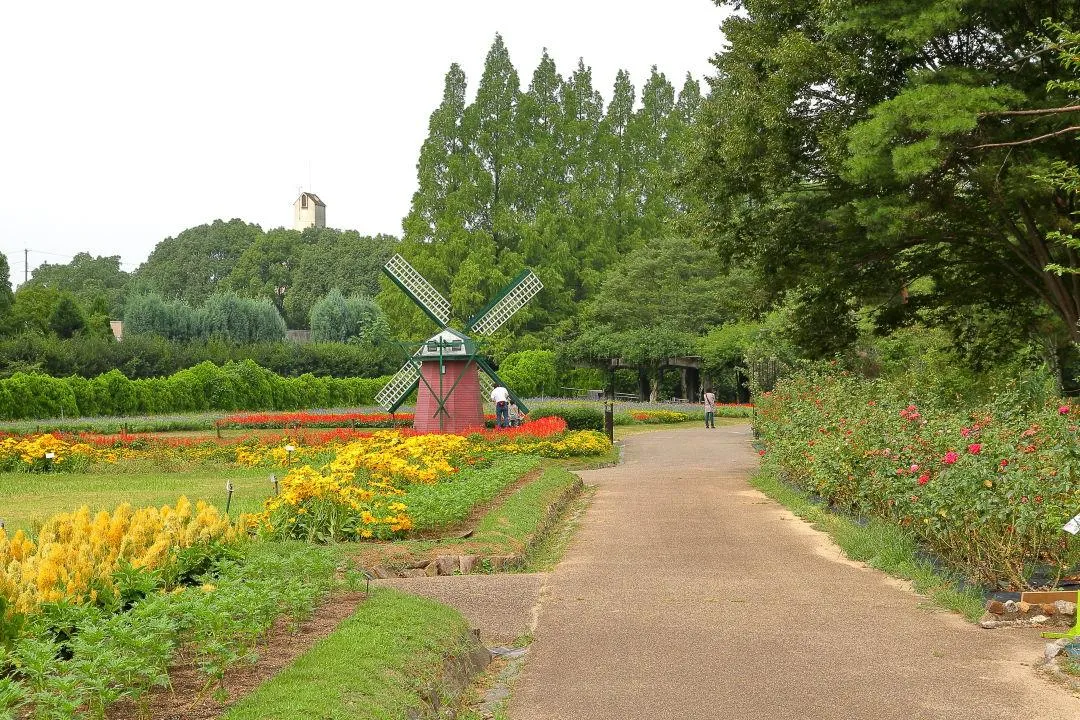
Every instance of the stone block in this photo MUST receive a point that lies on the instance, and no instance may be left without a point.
(466, 564)
(1065, 607)
(446, 564)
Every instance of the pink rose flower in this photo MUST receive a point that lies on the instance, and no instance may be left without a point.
(974, 448)
(950, 458)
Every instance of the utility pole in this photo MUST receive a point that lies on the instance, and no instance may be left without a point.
(26, 265)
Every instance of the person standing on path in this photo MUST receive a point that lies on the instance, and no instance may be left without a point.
(501, 397)
(709, 400)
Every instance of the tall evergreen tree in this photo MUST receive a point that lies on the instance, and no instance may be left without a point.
(620, 169)
(654, 155)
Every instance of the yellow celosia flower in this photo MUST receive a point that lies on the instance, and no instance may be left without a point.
(75, 551)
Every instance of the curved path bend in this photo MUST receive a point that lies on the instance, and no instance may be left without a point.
(687, 594)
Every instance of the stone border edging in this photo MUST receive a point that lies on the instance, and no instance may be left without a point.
(460, 668)
(1011, 613)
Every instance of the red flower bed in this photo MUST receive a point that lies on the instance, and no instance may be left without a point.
(145, 440)
(284, 420)
(540, 428)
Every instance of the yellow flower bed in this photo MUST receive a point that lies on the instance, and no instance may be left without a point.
(331, 505)
(77, 554)
(43, 452)
(572, 444)
(355, 494)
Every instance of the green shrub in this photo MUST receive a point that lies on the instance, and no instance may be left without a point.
(577, 417)
(204, 387)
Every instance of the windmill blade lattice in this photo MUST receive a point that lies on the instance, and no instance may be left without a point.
(399, 387)
(434, 305)
(486, 384)
(509, 301)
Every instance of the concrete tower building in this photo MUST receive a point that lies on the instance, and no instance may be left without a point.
(308, 211)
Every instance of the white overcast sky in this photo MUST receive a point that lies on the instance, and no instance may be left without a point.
(126, 122)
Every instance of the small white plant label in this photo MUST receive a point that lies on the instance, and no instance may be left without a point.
(1073, 526)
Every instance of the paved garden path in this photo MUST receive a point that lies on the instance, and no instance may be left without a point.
(686, 594)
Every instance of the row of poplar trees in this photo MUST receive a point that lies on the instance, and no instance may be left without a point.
(549, 177)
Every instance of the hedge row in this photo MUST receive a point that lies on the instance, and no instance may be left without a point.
(206, 386)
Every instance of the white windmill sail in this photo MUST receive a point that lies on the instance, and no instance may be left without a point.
(434, 305)
(395, 391)
(495, 315)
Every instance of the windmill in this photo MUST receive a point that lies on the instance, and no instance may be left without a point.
(445, 369)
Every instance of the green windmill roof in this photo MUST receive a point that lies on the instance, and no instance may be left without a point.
(451, 343)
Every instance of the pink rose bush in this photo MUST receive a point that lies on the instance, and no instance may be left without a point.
(986, 489)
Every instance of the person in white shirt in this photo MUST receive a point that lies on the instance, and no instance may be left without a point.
(501, 397)
(709, 400)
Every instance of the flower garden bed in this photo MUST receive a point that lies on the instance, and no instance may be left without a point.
(96, 608)
(987, 490)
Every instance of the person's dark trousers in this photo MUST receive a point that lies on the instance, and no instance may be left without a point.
(710, 419)
(502, 414)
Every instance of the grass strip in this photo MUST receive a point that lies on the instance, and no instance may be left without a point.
(517, 522)
(450, 500)
(880, 544)
(544, 555)
(512, 528)
(373, 666)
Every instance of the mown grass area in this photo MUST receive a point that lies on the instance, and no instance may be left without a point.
(514, 524)
(881, 545)
(546, 554)
(372, 666)
(29, 498)
(26, 498)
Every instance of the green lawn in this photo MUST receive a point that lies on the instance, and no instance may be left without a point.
(622, 431)
(29, 497)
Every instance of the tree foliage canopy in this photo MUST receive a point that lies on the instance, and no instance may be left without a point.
(851, 149)
(544, 177)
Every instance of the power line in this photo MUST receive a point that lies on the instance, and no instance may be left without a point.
(64, 256)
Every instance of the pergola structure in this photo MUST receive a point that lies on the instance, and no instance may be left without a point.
(689, 367)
